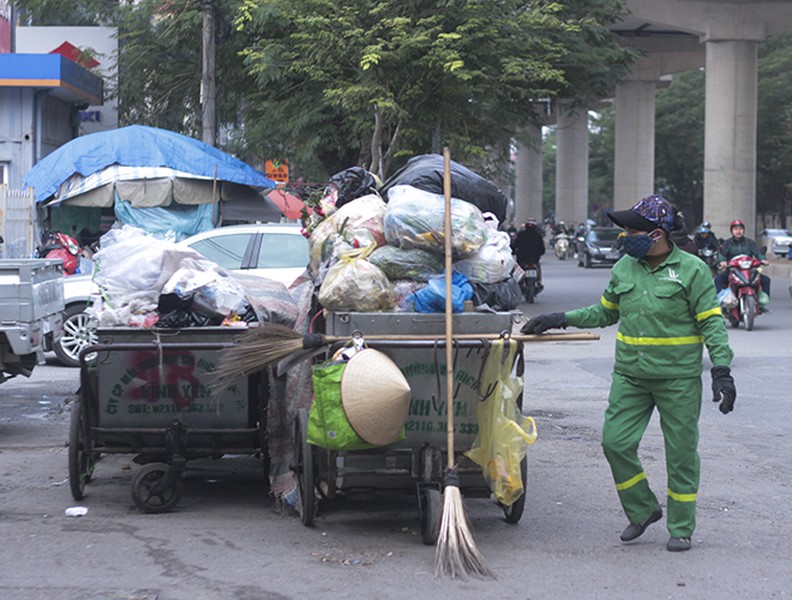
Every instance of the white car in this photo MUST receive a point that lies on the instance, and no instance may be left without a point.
(275, 251)
(776, 240)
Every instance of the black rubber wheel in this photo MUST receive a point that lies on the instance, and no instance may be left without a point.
(81, 461)
(430, 511)
(587, 264)
(514, 512)
(750, 312)
(79, 332)
(305, 468)
(144, 492)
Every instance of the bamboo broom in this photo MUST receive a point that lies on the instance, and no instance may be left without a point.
(270, 343)
(457, 554)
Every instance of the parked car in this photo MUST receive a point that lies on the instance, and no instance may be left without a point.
(599, 247)
(275, 251)
(776, 240)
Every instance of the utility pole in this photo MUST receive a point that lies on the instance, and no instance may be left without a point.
(208, 76)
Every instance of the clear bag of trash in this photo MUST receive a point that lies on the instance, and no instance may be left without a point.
(357, 224)
(354, 284)
(414, 264)
(416, 219)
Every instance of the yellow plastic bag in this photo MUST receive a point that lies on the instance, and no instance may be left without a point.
(504, 432)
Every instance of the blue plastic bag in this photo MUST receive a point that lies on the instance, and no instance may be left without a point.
(432, 297)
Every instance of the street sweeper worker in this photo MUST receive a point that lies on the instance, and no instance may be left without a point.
(665, 303)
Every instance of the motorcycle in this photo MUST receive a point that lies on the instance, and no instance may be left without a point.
(562, 246)
(62, 246)
(529, 285)
(709, 256)
(740, 303)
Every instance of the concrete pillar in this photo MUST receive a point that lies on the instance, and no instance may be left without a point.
(528, 178)
(572, 155)
(730, 135)
(634, 155)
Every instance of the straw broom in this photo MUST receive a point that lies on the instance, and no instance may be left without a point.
(456, 555)
(270, 343)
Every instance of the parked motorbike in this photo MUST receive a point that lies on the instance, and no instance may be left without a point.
(709, 256)
(529, 284)
(740, 303)
(62, 246)
(562, 249)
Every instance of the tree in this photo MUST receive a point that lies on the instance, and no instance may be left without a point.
(679, 143)
(370, 80)
(774, 128)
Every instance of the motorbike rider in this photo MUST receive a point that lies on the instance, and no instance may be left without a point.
(665, 303)
(739, 244)
(704, 239)
(529, 248)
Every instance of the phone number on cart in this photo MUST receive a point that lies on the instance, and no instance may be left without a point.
(470, 428)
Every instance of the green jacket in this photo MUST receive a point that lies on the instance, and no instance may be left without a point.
(666, 315)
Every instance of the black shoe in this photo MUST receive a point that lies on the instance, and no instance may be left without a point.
(678, 544)
(635, 530)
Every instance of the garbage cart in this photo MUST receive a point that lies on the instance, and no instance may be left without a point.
(415, 464)
(147, 392)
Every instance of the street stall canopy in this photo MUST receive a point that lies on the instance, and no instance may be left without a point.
(140, 170)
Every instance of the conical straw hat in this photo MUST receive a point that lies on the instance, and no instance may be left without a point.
(375, 397)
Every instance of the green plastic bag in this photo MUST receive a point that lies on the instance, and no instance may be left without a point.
(328, 426)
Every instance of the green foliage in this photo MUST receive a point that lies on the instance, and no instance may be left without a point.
(407, 77)
(679, 143)
(774, 126)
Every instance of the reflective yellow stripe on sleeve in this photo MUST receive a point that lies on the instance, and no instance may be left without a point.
(681, 497)
(708, 313)
(631, 482)
(658, 341)
(608, 304)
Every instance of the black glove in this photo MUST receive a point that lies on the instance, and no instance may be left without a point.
(542, 323)
(723, 389)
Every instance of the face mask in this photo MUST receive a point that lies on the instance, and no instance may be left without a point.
(638, 245)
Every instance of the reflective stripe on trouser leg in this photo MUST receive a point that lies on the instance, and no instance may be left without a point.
(679, 404)
(630, 407)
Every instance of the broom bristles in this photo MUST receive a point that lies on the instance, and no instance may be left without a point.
(457, 555)
(256, 349)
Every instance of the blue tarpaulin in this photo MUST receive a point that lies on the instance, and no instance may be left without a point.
(138, 146)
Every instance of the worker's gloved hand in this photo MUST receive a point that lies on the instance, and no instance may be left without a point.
(723, 389)
(542, 323)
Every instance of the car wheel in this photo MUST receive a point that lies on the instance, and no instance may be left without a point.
(79, 332)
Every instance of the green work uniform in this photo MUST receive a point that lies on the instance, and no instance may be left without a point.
(666, 315)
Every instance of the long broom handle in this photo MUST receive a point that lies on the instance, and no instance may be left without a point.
(578, 336)
(449, 326)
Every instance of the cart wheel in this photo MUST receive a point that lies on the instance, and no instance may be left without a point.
(146, 491)
(430, 509)
(305, 468)
(514, 512)
(81, 457)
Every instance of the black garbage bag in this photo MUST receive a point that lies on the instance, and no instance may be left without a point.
(501, 296)
(425, 172)
(352, 183)
(189, 311)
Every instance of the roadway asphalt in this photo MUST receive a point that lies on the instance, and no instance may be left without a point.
(226, 541)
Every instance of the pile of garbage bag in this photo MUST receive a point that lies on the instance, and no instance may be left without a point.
(382, 249)
(150, 282)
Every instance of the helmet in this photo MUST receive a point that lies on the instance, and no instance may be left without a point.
(702, 230)
(707, 225)
(736, 223)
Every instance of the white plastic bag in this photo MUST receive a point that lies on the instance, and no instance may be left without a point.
(492, 263)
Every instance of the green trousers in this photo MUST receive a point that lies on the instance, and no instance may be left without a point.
(630, 405)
